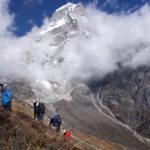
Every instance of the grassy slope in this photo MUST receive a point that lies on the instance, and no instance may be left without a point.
(18, 131)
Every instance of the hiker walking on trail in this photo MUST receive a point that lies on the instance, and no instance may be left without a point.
(67, 134)
(39, 110)
(55, 122)
(6, 97)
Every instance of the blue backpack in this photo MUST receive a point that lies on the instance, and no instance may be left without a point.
(6, 97)
(57, 119)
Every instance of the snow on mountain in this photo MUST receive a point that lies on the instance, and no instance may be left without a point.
(62, 26)
(44, 53)
(65, 15)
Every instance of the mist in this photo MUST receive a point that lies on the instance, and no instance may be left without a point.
(118, 38)
(111, 39)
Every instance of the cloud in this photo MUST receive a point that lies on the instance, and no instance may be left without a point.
(6, 17)
(31, 2)
(11, 47)
(112, 39)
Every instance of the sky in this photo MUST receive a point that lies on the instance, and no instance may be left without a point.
(32, 12)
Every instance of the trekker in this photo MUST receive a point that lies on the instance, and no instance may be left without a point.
(6, 97)
(55, 122)
(39, 110)
(67, 133)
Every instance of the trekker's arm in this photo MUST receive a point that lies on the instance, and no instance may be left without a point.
(34, 109)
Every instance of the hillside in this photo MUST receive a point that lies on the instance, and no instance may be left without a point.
(18, 131)
(126, 93)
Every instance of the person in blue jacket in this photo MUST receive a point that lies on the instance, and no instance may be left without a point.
(6, 96)
(55, 122)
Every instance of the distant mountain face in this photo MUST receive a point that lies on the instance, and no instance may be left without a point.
(127, 94)
(85, 114)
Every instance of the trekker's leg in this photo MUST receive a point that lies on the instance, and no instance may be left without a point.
(38, 116)
(35, 114)
(42, 117)
(7, 108)
(58, 128)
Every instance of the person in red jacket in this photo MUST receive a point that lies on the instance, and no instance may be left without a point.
(67, 133)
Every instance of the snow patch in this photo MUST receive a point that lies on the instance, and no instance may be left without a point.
(52, 26)
(45, 83)
(65, 6)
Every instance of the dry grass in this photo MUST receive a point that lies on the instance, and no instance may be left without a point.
(18, 132)
(19, 106)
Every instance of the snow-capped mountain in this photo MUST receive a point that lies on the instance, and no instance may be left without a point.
(61, 27)
(46, 48)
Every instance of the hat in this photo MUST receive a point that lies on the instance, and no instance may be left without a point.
(4, 85)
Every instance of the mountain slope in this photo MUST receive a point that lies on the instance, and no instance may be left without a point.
(20, 131)
(82, 115)
(126, 94)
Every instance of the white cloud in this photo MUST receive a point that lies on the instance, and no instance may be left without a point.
(123, 38)
(5, 17)
(11, 47)
(113, 38)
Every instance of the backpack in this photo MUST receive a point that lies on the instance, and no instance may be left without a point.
(6, 97)
(37, 108)
(58, 119)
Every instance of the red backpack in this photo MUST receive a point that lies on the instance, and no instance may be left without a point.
(68, 134)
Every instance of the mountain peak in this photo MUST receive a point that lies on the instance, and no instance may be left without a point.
(66, 14)
(71, 7)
